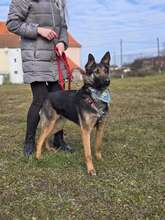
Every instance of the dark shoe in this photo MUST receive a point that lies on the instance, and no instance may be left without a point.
(29, 148)
(67, 148)
(59, 143)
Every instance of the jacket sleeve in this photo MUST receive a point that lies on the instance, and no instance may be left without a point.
(63, 36)
(16, 21)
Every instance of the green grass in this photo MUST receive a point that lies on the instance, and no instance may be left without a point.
(131, 179)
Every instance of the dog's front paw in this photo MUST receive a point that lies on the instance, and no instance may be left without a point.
(92, 172)
(38, 156)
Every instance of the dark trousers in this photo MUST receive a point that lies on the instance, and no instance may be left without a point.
(40, 92)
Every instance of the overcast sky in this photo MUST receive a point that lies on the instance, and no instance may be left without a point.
(100, 24)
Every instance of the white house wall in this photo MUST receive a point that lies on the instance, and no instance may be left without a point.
(74, 54)
(4, 63)
(77, 76)
(15, 66)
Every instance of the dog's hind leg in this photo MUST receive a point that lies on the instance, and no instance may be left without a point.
(48, 147)
(59, 124)
(44, 122)
(45, 133)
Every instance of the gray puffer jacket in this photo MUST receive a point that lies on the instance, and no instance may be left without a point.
(37, 52)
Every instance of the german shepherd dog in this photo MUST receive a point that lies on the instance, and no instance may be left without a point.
(88, 107)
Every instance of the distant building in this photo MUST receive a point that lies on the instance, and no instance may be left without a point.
(10, 55)
(152, 64)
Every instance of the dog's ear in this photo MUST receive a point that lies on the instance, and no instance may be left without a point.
(82, 71)
(91, 62)
(106, 59)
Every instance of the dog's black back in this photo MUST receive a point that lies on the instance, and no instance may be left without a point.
(64, 102)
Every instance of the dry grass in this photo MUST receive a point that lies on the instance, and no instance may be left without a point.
(130, 181)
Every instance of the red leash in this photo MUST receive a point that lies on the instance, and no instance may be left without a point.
(64, 60)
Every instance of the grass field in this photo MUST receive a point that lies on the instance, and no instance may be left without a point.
(131, 179)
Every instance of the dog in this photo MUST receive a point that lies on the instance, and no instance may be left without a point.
(88, 107)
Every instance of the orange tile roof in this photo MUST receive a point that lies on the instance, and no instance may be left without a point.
(5, 34)
(3, 29)
(72, 41)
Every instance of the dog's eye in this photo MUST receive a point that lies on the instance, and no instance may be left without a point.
(96, 72)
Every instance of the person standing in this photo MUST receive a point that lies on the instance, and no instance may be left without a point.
(41, 24)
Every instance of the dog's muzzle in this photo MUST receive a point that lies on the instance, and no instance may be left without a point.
(106, 82)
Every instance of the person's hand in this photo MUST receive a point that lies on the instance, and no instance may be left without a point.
(46, 33)
(61, 48)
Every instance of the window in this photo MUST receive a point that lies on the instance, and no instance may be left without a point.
(15, 72)
(15, 60)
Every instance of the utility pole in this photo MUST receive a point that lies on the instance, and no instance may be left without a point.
(121, 52)
(114, 58)
(158, 46)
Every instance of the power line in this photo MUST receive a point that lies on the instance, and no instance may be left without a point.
(139, 42)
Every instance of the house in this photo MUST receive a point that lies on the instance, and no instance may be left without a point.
(10, 55)
(147, 65)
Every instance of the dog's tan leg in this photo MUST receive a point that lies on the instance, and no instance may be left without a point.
(44, 134)
(87, 151)
(59, 125)
(48, 147)
(99, 136)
